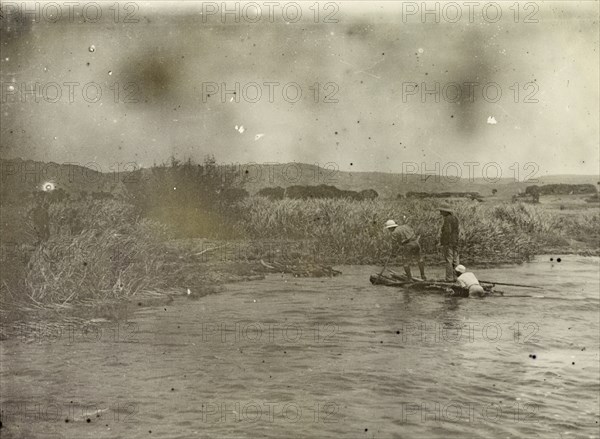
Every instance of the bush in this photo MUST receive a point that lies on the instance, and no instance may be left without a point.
(274, 193)
(368, 194)
(193, 199)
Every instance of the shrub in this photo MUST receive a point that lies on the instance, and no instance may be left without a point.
(368, 194)
(194, 199)
(274, 193)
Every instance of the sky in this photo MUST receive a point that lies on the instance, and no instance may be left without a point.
(520, 90)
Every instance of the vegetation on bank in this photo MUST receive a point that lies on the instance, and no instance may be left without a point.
(319, 191)
(193, 199)
(96, 250)
(561, 189)
(468, 195)
(347, 231)
(118, 247)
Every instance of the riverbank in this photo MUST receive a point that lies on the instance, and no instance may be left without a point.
(105, 252)
(198, 274)
(321, 357)
(204, 267)
(351, 232)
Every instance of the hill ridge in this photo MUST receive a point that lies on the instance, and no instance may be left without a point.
(28, 175)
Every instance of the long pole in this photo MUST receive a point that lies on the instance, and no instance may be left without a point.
(510, 285)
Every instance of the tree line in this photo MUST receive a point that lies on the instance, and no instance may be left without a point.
(320, 191)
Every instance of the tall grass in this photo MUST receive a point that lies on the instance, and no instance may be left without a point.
(347, 231)
(582, 227)
(103, 250)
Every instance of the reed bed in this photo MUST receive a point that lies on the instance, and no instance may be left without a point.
(102, 250)
(98, 250)
(349, 231)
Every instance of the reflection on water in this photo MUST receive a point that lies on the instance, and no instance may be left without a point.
(336, 357)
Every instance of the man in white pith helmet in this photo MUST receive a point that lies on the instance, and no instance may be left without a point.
(467, 280)
(406, 244)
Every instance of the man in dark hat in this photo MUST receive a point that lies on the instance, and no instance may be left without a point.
(449, 241)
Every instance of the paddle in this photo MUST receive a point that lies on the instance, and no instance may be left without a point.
(510, 285)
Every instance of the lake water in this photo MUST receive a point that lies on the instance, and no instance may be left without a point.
(335, 357)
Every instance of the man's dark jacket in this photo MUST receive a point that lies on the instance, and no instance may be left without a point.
(449, 235)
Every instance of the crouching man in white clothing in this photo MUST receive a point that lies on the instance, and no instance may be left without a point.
(468, 280)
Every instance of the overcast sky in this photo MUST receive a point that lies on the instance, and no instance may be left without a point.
(368, 61)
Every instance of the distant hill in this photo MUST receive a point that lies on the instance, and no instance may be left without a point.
(389, 185)
(19, 177)
(22, 176)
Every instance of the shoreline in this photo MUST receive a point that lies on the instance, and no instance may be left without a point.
(219, 273)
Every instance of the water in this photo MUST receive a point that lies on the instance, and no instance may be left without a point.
(336, 357)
